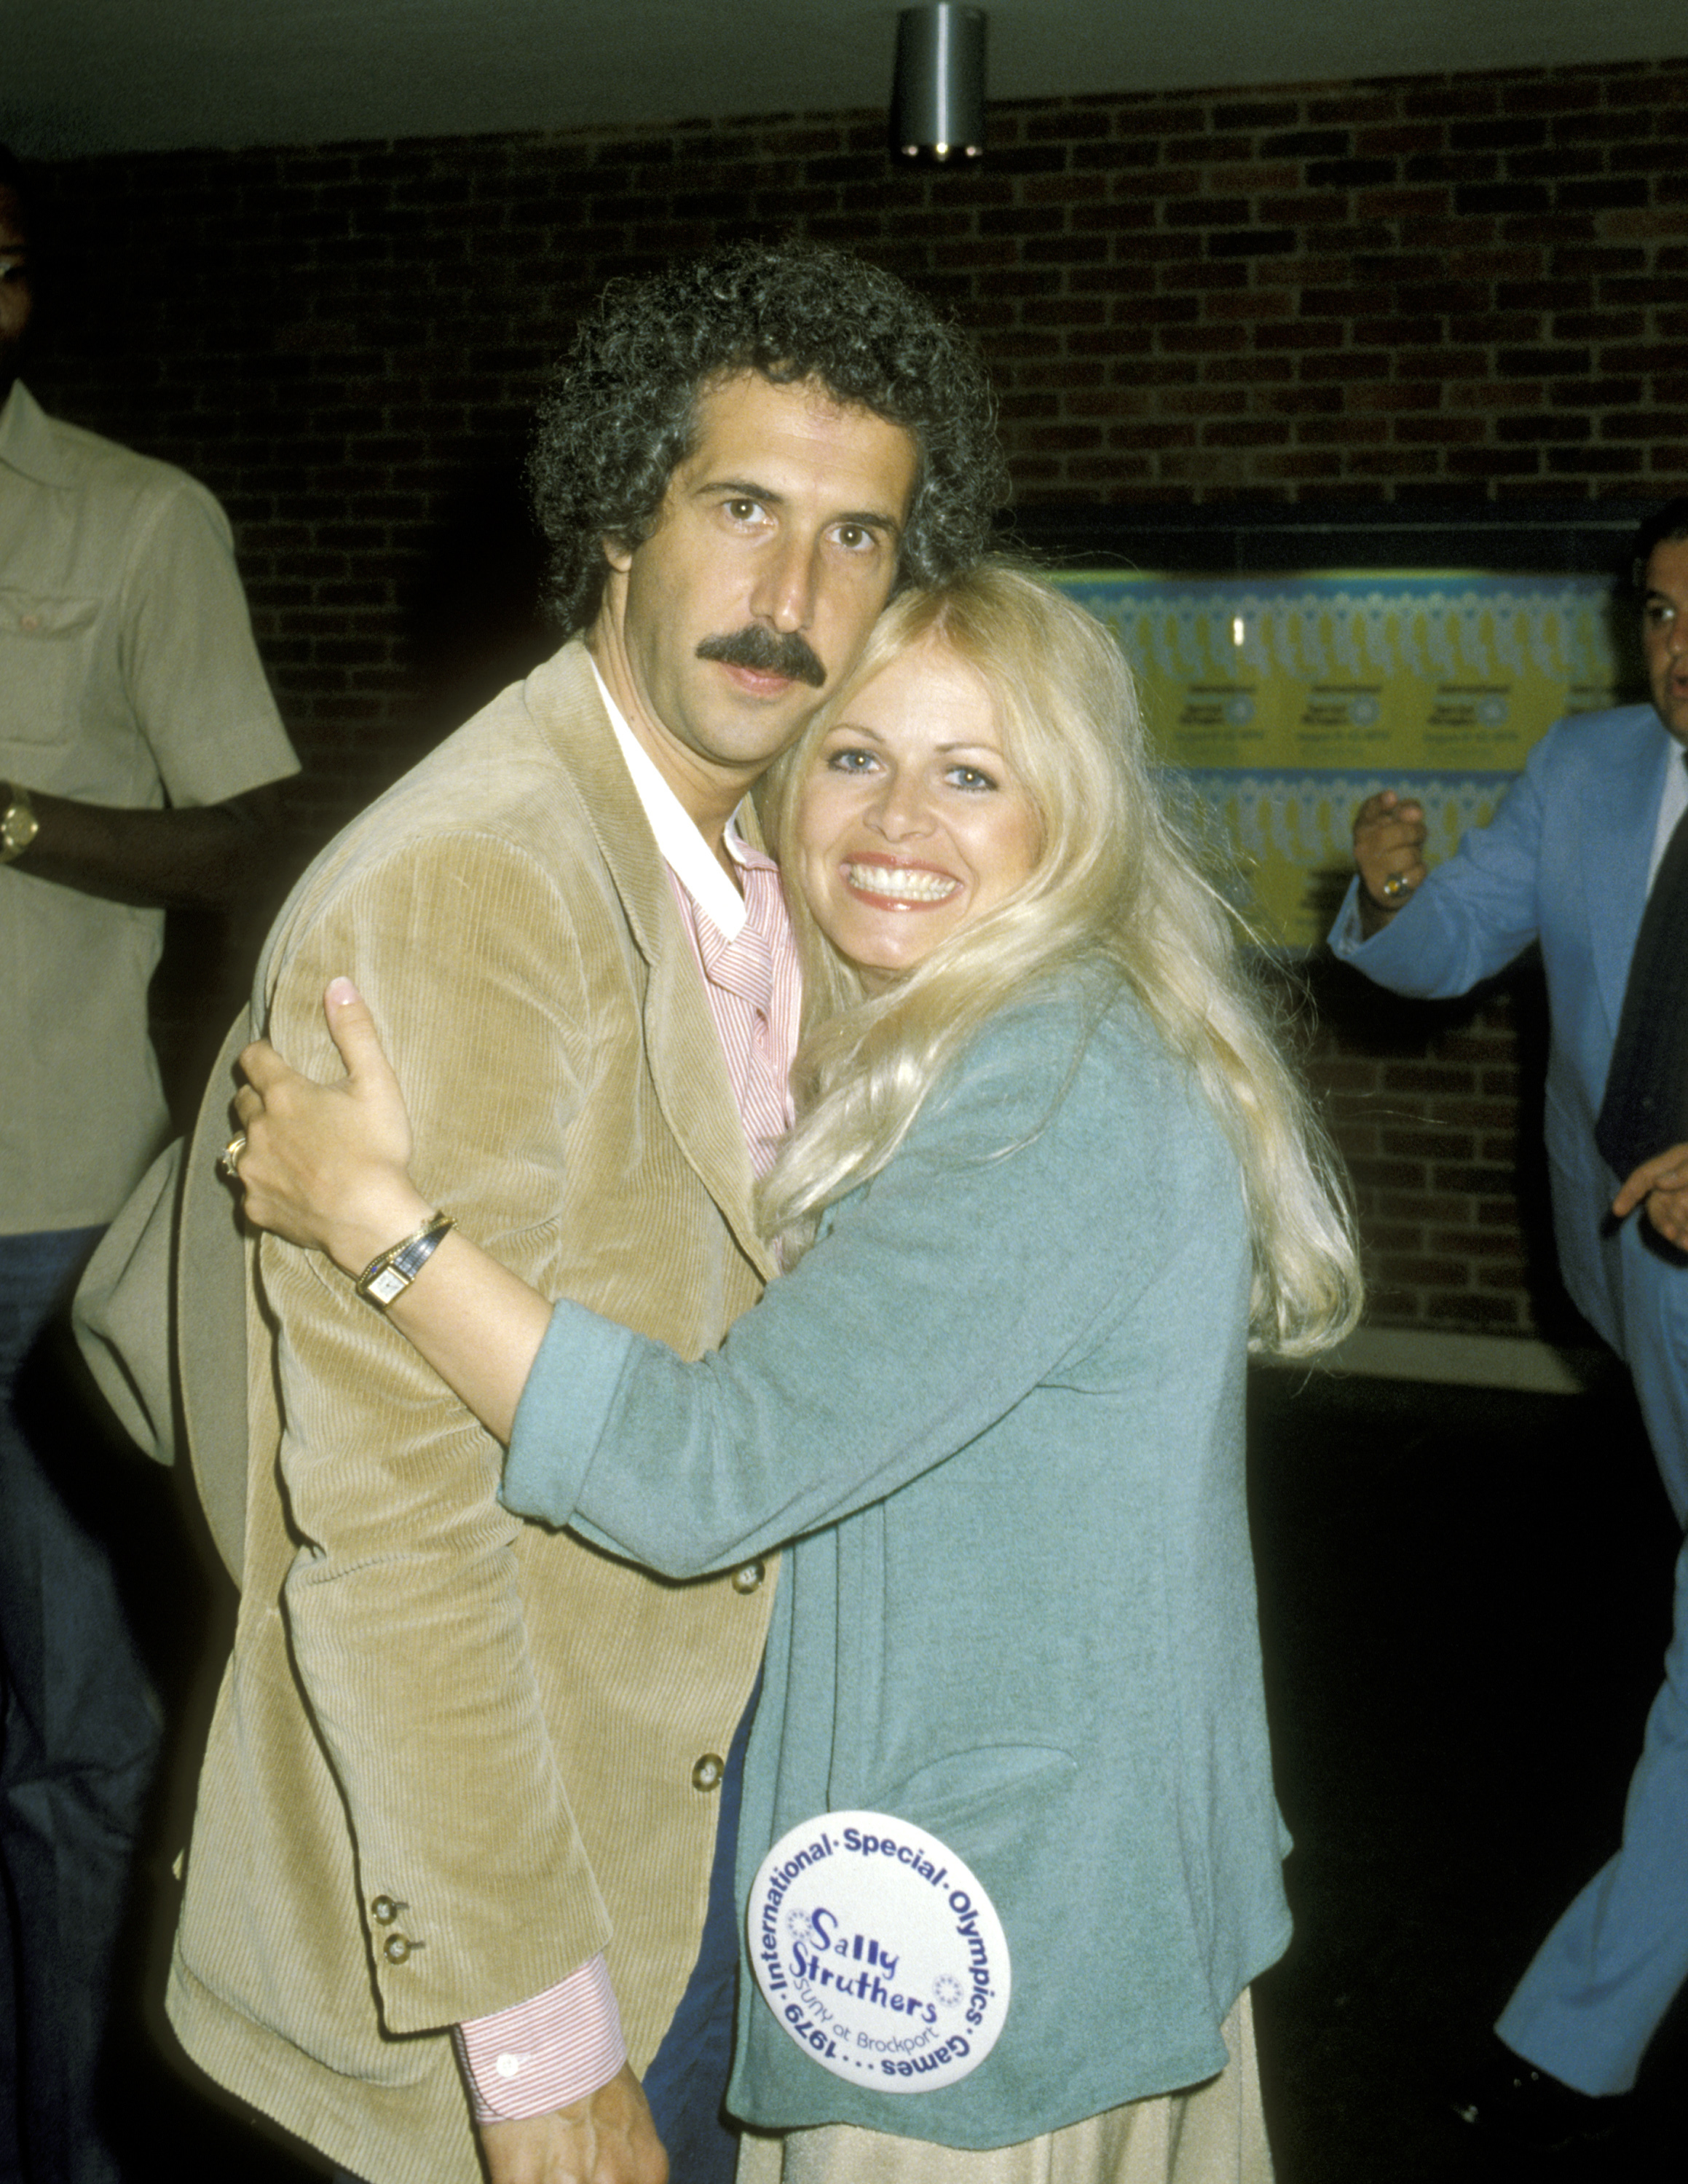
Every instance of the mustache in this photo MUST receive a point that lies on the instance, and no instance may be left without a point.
(765, 652)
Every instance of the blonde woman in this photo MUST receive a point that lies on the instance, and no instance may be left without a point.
(1049, 1179)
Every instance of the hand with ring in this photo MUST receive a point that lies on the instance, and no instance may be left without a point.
(1388, 843)
(228, 1160)
(326, 1166)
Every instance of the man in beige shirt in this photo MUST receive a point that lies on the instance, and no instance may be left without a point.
(465, 1773)
(137, 731)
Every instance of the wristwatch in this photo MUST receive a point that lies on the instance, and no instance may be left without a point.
(18, 824)
(390, 1272)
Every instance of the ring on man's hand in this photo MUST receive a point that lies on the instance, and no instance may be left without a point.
(1395, 887)
(228, 1160)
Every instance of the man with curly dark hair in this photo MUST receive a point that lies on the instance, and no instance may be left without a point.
(483, 1796)
(622, 414)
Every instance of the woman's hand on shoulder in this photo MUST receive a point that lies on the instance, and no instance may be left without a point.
(326, 1166)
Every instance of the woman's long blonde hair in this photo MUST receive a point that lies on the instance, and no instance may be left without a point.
(1117, 886)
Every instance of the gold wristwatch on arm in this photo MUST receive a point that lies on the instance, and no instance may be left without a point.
(18, 824)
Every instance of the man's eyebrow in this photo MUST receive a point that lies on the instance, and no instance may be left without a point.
(747, 487)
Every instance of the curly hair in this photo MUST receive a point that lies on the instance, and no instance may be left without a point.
(620, 414)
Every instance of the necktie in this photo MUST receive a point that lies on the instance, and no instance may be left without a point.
(1645, 1107)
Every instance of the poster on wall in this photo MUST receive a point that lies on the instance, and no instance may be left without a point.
(1286, 700)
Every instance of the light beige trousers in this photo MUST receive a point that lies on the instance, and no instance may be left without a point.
(1213, 2134)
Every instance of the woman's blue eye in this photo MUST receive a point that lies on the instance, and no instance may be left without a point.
(850, 761)
(968, 776)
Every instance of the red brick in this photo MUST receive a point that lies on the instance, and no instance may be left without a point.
(1247, 371)
(1398, 333)
(1344, 365)
(1257, 432)
(1496, 397)
(1204, 401)
(1341, 431)
(1492, 1314)
(1251, 177)
(1446, 365)
(1394, 396)
(1421, 1272)
(1406, 202)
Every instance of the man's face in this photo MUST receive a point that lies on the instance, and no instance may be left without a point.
(16, 296)
(775, 547)
(1664, 632)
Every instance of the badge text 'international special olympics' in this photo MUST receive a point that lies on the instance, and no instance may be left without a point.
(879, 1951)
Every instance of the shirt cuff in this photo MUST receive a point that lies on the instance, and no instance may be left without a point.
(542, 2054)
(1347, 936)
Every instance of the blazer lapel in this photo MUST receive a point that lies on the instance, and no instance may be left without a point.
(1619, 821)
(688, 1069)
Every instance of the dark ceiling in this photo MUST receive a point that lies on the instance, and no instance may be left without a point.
(85, 76)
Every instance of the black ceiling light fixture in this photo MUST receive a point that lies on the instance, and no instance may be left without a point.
(937, 97)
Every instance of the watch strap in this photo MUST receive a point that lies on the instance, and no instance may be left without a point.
(390, 1272)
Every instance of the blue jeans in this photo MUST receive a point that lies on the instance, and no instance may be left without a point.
(80, 1744)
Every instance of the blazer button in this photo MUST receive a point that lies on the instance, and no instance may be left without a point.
(708, 1771)
(396, 1948)
(385, 1909)
(748, 1578)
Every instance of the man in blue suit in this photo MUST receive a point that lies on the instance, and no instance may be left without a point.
(1570, 860)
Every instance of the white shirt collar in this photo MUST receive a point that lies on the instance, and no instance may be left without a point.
(683, 850)
(1671, 806)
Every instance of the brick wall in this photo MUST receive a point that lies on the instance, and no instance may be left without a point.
(1452, 289)
(1437, 1110)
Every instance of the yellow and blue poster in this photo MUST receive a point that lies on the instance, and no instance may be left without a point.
(1286, 700)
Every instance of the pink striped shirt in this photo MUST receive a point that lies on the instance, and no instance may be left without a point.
(562, 2045)
(755, 997)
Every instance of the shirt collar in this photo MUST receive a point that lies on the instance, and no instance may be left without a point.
(27, 444)
(683, 850)
(1672, 806)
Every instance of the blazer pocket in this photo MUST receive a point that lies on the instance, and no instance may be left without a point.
(981, 1801)
(46, 644)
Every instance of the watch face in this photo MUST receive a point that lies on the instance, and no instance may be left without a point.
(390, 1283)
(18, 828)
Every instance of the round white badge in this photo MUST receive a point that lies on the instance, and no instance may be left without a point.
(879, 1951)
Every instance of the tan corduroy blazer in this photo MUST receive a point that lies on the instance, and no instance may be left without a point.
(454, 1754)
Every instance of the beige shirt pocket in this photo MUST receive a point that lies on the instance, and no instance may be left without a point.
(48, 644)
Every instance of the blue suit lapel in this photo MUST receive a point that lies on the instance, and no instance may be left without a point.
(1619, 821)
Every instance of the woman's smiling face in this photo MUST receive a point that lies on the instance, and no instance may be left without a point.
(911, 821)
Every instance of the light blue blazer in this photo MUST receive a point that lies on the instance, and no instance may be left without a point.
(1565, 862)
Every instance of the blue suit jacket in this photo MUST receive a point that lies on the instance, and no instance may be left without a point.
(1565, 862)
